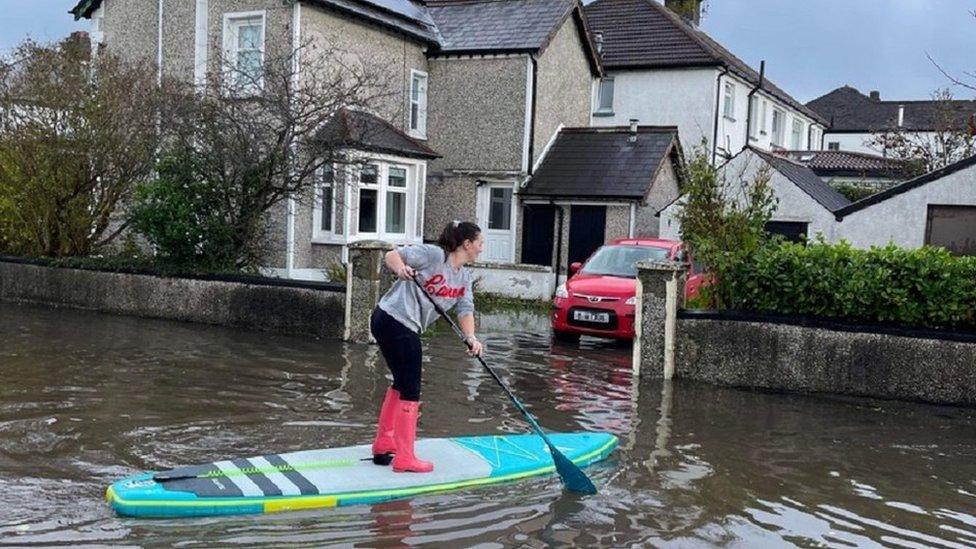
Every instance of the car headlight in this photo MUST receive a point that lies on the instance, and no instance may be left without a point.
(561, 291)
(632, 301)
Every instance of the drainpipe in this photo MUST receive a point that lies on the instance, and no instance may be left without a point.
(159, 47)
(749, 113)
(718, 97)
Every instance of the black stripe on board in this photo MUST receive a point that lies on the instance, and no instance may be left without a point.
(264, 483)
(303, 484)
(217, 487)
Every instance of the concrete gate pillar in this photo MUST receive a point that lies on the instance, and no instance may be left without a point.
(660, 290)
(365, 284)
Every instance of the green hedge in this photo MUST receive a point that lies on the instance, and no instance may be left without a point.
(926, 287)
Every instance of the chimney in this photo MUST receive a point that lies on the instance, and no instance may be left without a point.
(875, 95)
(598, 40)
(633, 130)
(689, 10)
(901, 115)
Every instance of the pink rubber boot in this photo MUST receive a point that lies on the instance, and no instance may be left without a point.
(384, 445)
(405, 434)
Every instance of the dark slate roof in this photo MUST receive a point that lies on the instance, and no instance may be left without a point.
(907, 186)
(851, 111)
(404, 16)
(467, 26)
(804, 178)
(643, 34)
(364, 131)
(828, 163)
(603, 163)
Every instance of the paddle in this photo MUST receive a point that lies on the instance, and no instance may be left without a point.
(573, 477)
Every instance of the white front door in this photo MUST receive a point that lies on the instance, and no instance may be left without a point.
(496, 216)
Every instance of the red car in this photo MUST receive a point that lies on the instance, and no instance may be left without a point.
(599, 297)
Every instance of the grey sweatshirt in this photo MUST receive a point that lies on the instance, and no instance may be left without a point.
(447, 285)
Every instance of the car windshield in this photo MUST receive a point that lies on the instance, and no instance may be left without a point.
(620, 260)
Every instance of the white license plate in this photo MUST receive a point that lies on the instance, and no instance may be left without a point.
(587, 316)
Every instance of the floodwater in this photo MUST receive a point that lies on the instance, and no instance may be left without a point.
(88, 398)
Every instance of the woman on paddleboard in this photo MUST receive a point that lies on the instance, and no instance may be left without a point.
(399, 319)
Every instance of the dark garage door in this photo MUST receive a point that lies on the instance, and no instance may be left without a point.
(537, 234)
(587, 229)
(953, 228)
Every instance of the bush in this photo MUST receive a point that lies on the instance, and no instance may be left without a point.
(723, 217)
(855, 192)
(921, 287)
(183, 219)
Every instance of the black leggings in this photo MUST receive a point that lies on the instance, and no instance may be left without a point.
(401, 349)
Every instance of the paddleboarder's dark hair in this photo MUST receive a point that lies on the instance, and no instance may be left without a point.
(455, 233)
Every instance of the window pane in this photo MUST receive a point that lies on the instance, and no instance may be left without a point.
(500, 210)
(415, 88)
(414, 118)
(249, 37)
(367, 211)
(396, 212)
(606, 94)
(326, 209)
(398, 177)
(368, 174)
(248, 66)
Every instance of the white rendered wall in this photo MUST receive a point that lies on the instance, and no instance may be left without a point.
(686, 98)
(901, 219)
(793, 203)
(514, 280)
(858, 142)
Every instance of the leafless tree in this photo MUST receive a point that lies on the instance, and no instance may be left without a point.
(952, 138)
(259, 134)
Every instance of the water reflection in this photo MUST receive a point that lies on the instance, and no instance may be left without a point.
(86, 398)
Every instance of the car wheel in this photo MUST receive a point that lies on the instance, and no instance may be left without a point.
(567, 337)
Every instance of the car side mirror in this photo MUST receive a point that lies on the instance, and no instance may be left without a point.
(574, 267)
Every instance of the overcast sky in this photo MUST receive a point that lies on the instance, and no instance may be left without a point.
(810, 46)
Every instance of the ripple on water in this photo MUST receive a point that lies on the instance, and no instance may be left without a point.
(697, 465)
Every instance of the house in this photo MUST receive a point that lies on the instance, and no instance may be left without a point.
(806, 205)
(937, 208)
(870, 172)
(507, 75)
(480, 88)
(596, 184)
(662, 70)
(857, 119)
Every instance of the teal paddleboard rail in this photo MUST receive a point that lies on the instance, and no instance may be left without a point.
(344, 476)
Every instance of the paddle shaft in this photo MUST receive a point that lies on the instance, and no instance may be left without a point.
(535, 425)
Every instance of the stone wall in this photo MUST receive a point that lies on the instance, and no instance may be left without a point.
(799, 354)
(244, 302)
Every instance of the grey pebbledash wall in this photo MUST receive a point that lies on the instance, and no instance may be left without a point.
(804, 355)
(258, 304)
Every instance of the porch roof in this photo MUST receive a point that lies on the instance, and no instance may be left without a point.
(603, 163)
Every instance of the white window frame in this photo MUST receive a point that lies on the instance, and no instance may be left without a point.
(412, 190)
(779, 131)
(796, 134)
(396, 190)
(764, 118)
(317, 231)
(232, 22)
(418, 127)
(728, 103)
(754, 116)
(599, 108)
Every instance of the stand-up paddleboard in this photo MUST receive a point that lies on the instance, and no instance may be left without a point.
(344, 476)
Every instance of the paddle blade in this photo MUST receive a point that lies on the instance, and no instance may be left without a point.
(573, 477)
